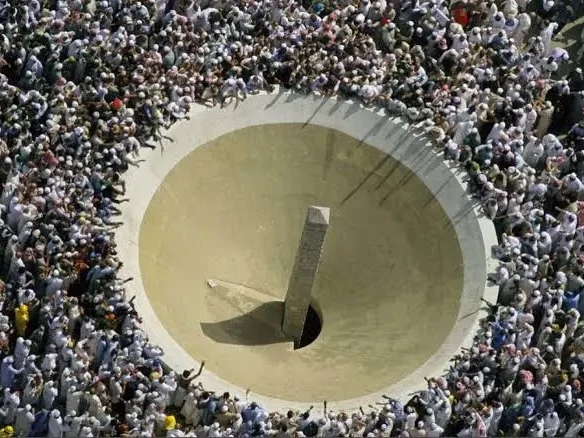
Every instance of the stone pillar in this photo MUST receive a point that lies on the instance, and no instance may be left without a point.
(304, 272)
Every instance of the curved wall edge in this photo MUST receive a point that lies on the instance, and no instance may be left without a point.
(476, 233)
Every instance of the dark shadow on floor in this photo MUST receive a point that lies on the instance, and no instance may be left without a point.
(324, 100)
(261, 326)
(329, 153)
(374, 130)
(374, 171)
(280, 93)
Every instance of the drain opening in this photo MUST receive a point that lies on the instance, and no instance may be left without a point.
(312, 328)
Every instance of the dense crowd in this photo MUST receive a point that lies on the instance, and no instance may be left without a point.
(85, 84)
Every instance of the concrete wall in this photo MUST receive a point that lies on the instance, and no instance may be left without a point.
(475, 233)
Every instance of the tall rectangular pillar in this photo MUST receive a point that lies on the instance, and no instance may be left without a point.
(304, 272)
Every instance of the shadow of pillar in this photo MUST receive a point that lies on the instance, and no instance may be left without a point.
(260, 326)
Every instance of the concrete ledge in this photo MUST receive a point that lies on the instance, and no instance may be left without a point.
(476, 233)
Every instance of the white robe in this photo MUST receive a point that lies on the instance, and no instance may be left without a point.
(23, 422)
(531, 118)
(55, 427)
(545, 120)
(462, 130)
(189, 409)
(533, 152)
(546, 37)
(72, 430)
(73, 400)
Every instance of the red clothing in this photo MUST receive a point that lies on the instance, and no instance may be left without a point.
(526, 377)
(460, 16)
(50, 158)
(117, 104)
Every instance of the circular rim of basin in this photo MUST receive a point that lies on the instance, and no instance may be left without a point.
(476, 233)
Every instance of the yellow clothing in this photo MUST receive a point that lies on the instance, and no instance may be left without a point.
(169, 422)
(21, 318)
(6, 432)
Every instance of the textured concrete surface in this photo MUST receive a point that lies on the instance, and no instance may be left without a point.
(388, 287)
(165, 318)
(304, 271)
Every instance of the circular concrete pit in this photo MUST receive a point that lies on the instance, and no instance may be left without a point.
(233, 211)
(216, 225)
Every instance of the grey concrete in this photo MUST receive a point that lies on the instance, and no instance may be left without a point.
(304, 272)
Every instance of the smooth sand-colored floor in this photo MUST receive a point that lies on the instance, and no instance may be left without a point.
(389, 285)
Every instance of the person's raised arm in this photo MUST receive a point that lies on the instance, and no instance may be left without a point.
(198, 372)
(563, 211)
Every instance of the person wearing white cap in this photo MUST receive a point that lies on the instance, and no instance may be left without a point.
(545, 120)
(548, 31)
(55, 424)
(86, 432)
(572, 184)
(74, 395)
(433, 430)
(497, 132)
(319, 82)
(227, 92)
(23, 421)
(189, 408)
(551, 424)
(8, 372)
(21, 352)
(54, 283)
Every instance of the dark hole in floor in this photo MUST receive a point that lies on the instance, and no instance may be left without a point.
(312, 327)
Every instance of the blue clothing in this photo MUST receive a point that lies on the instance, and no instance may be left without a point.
(7, 373)
(528, 407)
(249, 414)
(571, 300)
(100, 350)
(40, 424)
(209, 413)
(318, 8)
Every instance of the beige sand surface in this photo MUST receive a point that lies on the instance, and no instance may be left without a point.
(389, 285)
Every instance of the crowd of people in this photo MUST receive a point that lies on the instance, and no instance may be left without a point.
(85, 84)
